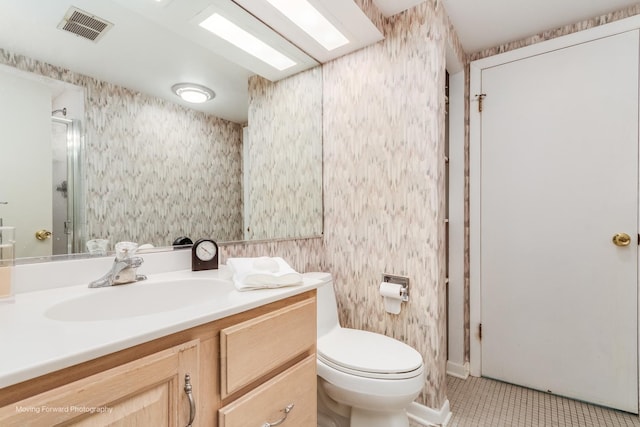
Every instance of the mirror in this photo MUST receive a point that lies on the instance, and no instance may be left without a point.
(144, 167)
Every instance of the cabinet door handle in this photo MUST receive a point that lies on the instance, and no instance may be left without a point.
(192, 403)
(281, 420)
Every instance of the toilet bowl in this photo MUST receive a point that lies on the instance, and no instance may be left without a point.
(364, 378)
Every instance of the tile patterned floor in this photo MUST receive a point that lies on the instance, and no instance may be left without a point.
(481, 402)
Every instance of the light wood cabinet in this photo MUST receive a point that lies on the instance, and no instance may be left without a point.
(251, 349)
(280, 341)
(146, 392)
(289, 397)
(266, 362)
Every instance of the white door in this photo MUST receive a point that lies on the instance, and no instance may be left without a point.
(25, 161)
(559, 177)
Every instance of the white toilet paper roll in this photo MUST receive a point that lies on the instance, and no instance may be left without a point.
(392, 297)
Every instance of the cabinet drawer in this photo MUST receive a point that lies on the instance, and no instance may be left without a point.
(253, 348)
(296, 386)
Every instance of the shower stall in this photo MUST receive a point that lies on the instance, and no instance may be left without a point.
(67, 203)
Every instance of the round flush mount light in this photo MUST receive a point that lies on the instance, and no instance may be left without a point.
(192, 92)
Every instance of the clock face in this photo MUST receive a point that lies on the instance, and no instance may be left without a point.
(206, 250)
(204, 255)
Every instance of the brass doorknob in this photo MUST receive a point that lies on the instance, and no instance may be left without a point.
(43, 234)
(621, 239)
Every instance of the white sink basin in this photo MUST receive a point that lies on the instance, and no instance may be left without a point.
(141, 299)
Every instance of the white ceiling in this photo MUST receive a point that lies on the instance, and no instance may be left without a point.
(154, 45)
(489, 23)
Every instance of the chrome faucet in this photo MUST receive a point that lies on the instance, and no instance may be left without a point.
(124, 267)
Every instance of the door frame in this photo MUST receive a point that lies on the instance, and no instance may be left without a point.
(476, 68)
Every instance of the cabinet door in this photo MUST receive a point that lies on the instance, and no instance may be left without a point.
(289, 397)
(146, 392)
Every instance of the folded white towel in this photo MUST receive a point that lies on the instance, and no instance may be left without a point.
(262, 272)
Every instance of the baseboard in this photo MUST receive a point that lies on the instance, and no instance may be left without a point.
(426, 416)
(457, 370)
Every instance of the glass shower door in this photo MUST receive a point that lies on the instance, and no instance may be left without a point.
(66, 200)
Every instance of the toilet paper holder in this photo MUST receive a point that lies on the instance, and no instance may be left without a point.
(398, 280)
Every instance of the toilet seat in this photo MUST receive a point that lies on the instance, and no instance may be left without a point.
(369, 355)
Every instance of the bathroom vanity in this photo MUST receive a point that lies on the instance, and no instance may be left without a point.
(248, 358)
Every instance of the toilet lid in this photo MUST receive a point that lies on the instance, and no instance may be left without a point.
(368, 354)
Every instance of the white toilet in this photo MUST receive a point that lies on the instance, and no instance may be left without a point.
(364, 379)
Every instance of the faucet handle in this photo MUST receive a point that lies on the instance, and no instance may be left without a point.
(125, 250)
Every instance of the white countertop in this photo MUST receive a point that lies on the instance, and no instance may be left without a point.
(33, 344)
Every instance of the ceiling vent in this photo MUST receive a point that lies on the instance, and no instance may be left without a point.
(84, 24)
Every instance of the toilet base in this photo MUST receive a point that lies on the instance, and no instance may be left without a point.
(330, 412)
(325, 420)
(362, 418)
(334, 414)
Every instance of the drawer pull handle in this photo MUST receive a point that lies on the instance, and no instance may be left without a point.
(281, 420)
(192, 403)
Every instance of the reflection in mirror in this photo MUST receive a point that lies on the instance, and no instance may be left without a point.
(151, 170)
(284, 186)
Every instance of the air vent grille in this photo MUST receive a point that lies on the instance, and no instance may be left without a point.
(84, 24)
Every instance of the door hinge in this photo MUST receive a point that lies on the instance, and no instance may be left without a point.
(480, 97)
(480, 331)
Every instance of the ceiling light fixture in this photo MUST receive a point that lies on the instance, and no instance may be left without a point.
(194, 93)
(311, 21)
(227, 30)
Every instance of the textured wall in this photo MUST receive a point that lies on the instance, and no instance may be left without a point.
(140, 152)
(302, 254)
(156, 170)
(384, 184)
(285, 134)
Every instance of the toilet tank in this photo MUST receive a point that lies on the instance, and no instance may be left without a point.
(327, 304)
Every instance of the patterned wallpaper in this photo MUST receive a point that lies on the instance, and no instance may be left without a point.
(285, 156)
(156, 170)
(139, 153)
(384, 183)
(383, 160)
(302, 255)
